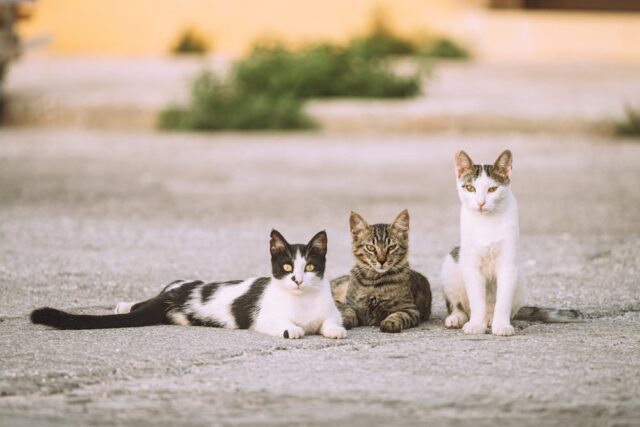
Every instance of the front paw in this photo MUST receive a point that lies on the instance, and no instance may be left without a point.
(391, 325)
(474, 328)
(334, 331)
(293, 332)
(455, 320)
(349, 320)
(502, 329)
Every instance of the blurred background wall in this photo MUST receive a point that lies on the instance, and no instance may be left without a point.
(496, 30)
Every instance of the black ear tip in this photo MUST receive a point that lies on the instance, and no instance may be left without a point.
(320, 235)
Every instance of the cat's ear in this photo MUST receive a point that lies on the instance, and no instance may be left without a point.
(319, 243)
(401, 223)
(464, 164)
(502, 166)
(358, 224)
(278, 243)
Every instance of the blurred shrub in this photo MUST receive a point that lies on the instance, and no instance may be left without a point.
(321, 71)
(445, 48)
(629, 125)
(381, 41)
(266, 89)
(217, 105)
(189, 42)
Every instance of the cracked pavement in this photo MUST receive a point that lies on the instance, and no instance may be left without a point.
(90, 218)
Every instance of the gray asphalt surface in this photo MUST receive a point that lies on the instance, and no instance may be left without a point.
(88, 219)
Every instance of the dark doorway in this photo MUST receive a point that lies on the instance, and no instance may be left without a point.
(585, 5)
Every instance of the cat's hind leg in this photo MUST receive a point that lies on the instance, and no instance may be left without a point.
(455, 294)
(124, 307)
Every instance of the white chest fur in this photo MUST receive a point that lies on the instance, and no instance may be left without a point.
(307, 310)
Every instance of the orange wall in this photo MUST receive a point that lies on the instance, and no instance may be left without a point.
(149, 27)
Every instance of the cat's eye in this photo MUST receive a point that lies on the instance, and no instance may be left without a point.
(492, 189)
(287, 267)
(370, 248)
(392, 247)
(470, 188)
(310, 267)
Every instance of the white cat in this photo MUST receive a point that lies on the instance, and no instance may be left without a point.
(481, 280)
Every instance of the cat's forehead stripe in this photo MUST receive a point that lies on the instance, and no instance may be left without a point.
(487, 170)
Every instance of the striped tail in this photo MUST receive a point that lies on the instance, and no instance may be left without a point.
(152, 312)
(548, 315)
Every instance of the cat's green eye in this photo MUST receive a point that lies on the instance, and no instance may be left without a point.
(492, 189)
(470, 188)
(370, 248)
(287, 267)
(392, 247)
(310, 267)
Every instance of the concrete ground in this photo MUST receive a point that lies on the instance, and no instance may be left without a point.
(88, 219)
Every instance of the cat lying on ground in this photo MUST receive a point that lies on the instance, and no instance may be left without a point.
(296, 300)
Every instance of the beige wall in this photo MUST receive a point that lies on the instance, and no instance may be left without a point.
(149, 27)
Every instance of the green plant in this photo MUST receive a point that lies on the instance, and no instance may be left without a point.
(190, 42)
(629, 125)
(321, 71)
(217, 105)
(266, 90)
(381, 41)
(446, 48)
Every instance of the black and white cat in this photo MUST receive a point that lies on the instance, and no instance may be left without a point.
(296, 300)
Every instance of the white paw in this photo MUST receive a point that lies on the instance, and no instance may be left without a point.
(474, 328)
(502, 329)
(293, 332)
(334, 331)
(123, 307)
(455, 320)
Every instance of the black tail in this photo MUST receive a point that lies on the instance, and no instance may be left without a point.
(548, 315)
(152, 312)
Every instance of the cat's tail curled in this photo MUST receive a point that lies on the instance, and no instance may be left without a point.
(548, 315)
(152, 312)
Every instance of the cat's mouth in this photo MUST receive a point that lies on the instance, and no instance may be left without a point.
(380, 269)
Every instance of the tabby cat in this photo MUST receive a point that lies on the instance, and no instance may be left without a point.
(482, 285)
(296, 300)
(382, 290)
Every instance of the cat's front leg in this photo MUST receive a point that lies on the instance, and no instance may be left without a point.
(349, 316)
(507, 277)
(401, 319)
(281, 328)
(476, 287)
(331, 328)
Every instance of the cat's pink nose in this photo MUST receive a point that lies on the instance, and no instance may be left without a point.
(481, 204)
